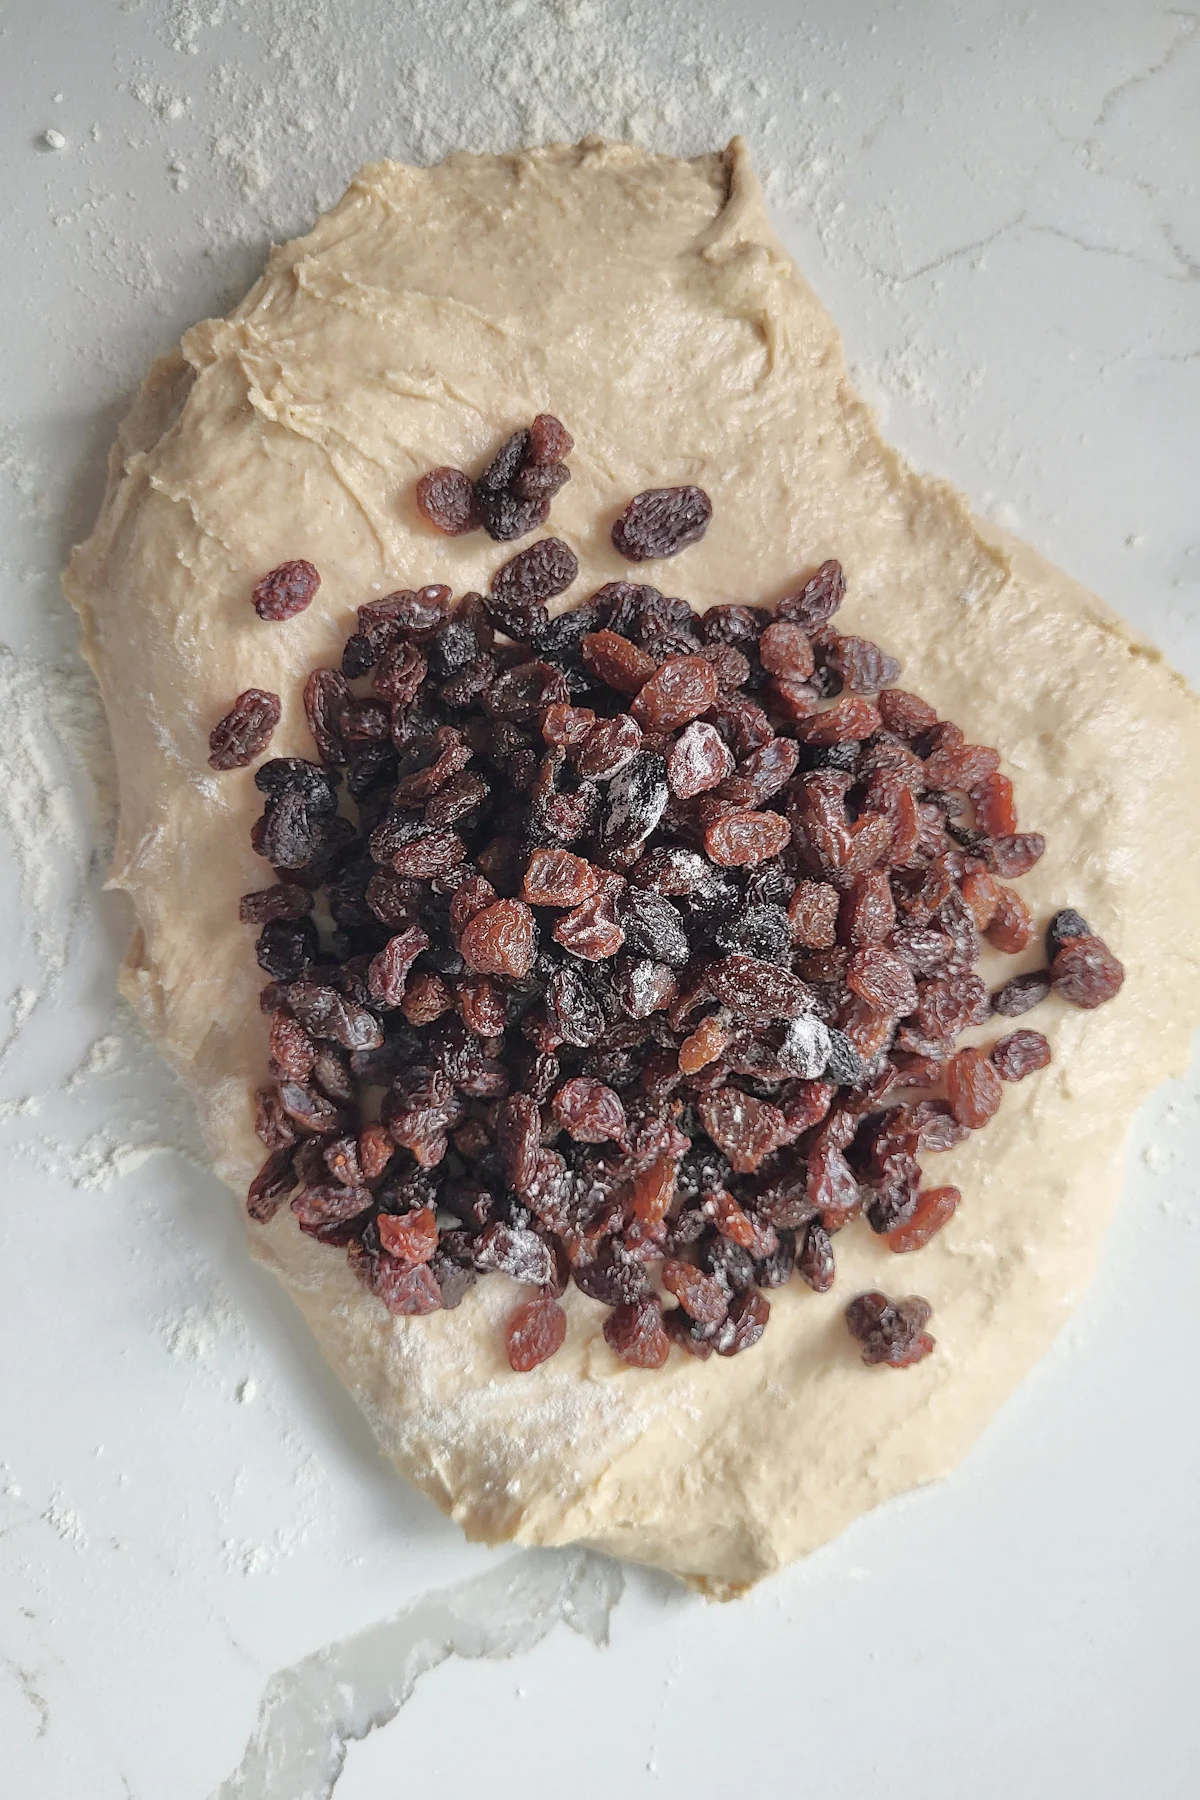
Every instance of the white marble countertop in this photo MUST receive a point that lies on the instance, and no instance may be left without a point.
(1000, 209)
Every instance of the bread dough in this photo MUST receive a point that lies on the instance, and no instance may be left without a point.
(648, 303)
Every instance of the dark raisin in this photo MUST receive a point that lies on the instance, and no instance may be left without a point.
(660, 522)
(245, 731)
(1021, 994)
(286, 591)
(447, 498)
(891, 1332)
(1064, 925)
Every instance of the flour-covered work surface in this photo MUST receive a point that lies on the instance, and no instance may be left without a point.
(654, 928)
(211, 1580)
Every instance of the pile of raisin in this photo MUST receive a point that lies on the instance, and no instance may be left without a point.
(512, 497)
(629, 946)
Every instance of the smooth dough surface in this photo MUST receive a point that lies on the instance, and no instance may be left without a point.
(648, 303)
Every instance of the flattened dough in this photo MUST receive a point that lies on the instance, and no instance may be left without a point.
(648, 303)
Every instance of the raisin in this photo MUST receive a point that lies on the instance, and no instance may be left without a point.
(410, 1237)
(785, 650)
(700, 759)
(388, 973)
(286, 947)
(746, 1129)
(813, 911)
(645, 986)
(678, 692)
(245, 731)
(517, 1252)
(427, 853)
(591, 931)
(653, 927)
(567, 725)
(589, 1112)
(883, 980)
(1086, 973)
(848, 720)
(607, 748)
(573, 1009)
(636, 800)
(1021, 993)
(759, 991)
(757, 1236)
(286, 900)
(271, 1186)
(763, 932)
(814, 1260)
(286, 591)
(1016, 855)
(405, 1292)
(661, 522)
(905, 714)
(1064, 925)
(704, 1046)
(634, 1331)
(399, 673)
(500, 940)
(890, 1332)
(618, 663)
(739, 840)
(329, 1203)
(536, 574)
(868, 912)
(447, 499)
(744, 1324)
(862, 665)
(534, 1333)
(1010, 927)
(817, 600)
(702, 1297)
(934, 1207)
(972, 1088)
(831, 1188)
(549, 441)
(1019, 1054)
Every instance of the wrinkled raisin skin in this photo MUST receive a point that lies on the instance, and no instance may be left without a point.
(245, 731)
(661, 522)
(286, 591)
(446, 497)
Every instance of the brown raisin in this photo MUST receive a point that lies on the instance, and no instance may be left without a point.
(500, 940)
(972, 1088)
(891, 1332)
(1010, 927)
(739, 840)
(813, 911)
(864, 668)
(1015, 855)
(447, 499)
(1019, 1054)
(700, 759)
(934, 1207)
(1086, 973)
(286, 900)
(410, 1237)
(848, 720)
(883, 980)
(388, 973)
(286, 591)
(817, 600)
(815, 1260)
(245, 731)
(678, 692)
(746, 1129)
(785, 650)
(617, 662)
(589, 1112)
(661, 522)
(556, 878)
(534, 1333)
(634, 1331)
